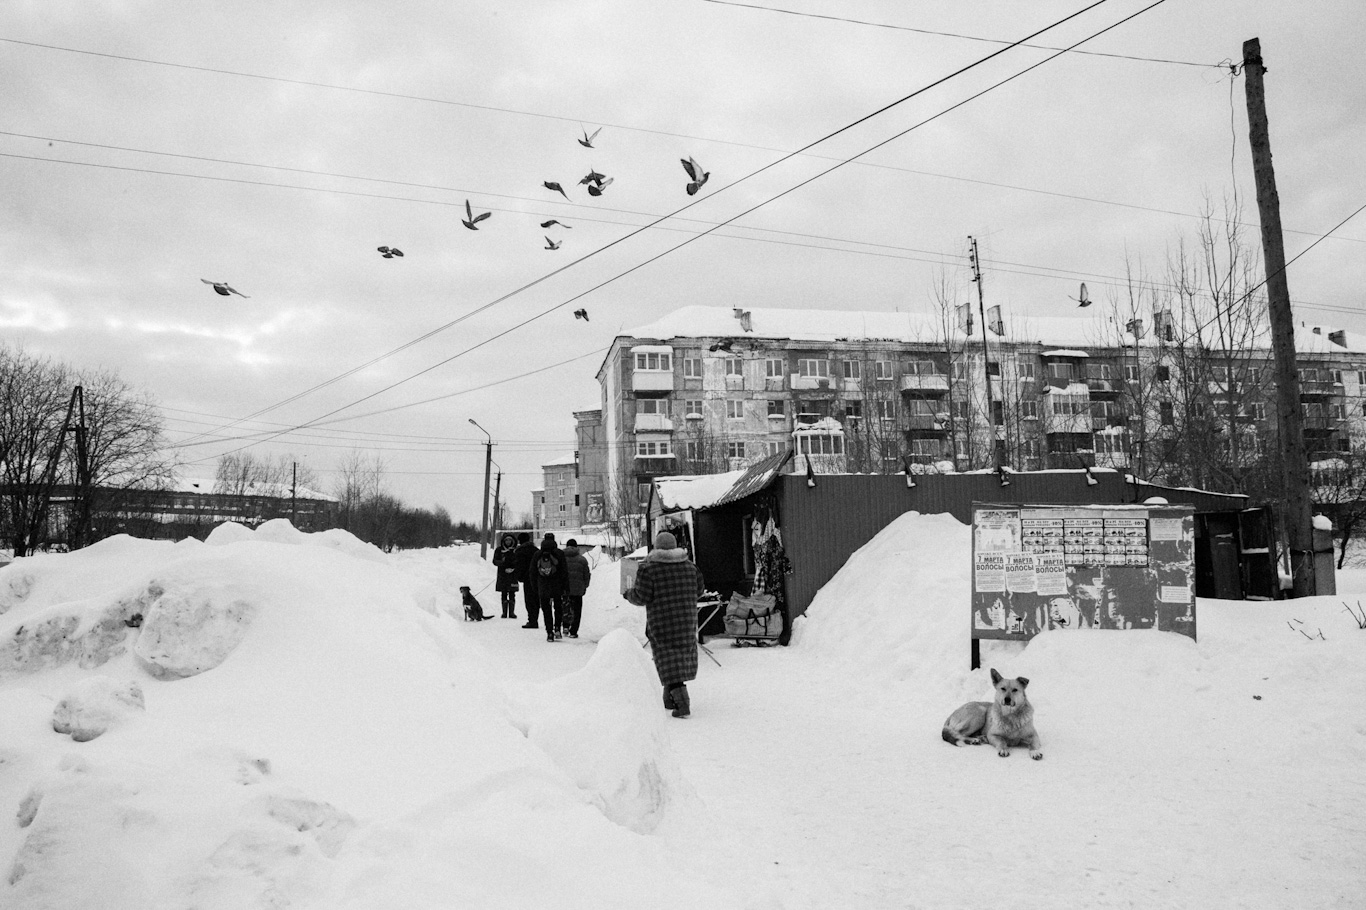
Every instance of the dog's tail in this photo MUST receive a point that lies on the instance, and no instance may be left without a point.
(949, 737)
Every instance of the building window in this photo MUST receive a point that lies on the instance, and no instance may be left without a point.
(648, 406)
(735, 410)
(1361, 377)
(563, 507)
(919, 407)
(693, 451)
(820, 444)
(993, 368)
(1026, 370)
(735, 450)
(1130, 373)
(654, 448)
(1060, 371)
(853, 369)
(774, 368)
(886, 411)
(1339, 411)
(813, 369)
(1164, 373)
(884, 369)
(654, 361)
(1165, 415)
(734, 367)
(1062, 404)
(1029, 410)
(853, 412)
(773, 448)
(692, 409)
(776, 408)
(692, 367)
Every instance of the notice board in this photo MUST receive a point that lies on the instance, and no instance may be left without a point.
(1040, 567)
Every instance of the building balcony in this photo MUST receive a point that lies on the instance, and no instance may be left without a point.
(652, 381)
(931, 382)
(1318, 388)
(923, 422)
(654, 422)
(799, 381)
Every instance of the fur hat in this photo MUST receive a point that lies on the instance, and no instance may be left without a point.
(524, 537)
(549, 536)
(665, 541)
(571, 542)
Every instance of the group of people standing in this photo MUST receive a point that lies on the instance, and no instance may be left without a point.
(553, 582)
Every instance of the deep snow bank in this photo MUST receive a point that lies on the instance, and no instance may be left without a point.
(316, 731)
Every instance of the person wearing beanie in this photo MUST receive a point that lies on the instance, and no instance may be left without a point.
(669, 586)
(580, 573)
(521, 559)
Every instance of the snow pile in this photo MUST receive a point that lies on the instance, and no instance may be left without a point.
(898, 607)
(603, 726)
(313, 735)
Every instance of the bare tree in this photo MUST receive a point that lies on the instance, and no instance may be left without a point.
(1338, 490)
(36, 392)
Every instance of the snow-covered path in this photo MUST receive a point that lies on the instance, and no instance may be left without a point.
(845, 790)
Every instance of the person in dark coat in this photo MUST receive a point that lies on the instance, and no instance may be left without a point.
(521, 558)
(505, 561)
(551, 573)
(669, 586)
(580, 574)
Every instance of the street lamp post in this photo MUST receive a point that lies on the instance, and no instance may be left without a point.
(488, 467)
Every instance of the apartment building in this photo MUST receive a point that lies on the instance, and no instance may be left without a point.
(710, 389)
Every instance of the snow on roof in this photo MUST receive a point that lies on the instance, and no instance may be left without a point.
(206, 486)
(562, 460)
(1063, 333)
(694, 491)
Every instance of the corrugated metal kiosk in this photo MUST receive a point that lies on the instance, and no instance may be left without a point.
(816, 529)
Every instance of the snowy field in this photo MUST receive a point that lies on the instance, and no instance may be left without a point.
(273, 719)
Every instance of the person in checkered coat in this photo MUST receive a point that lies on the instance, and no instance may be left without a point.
(669, 586)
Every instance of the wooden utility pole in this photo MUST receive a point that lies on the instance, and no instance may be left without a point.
(986, 358)
(1289, 417)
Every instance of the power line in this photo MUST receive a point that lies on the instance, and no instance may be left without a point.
(942, 34)
(689, 205)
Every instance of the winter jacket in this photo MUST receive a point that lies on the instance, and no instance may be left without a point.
(580, 573)
(522, 557)
(668, 586)
(553, 584)
(505, 560)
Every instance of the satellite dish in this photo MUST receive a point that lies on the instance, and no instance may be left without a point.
(1083, 298)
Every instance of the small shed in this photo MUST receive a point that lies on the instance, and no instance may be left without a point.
(816, 528)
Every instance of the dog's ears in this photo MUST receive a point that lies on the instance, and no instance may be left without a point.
(995, 677)
(1023, 681)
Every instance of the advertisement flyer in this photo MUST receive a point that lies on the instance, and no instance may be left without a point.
(1041, 567)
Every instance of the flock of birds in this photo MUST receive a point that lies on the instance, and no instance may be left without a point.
(596, 183)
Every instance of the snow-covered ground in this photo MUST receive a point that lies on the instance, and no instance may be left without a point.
(273, 719)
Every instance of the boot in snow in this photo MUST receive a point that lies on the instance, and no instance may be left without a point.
(680, 699)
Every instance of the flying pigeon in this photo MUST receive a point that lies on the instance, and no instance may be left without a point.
(552, 185)
(391, 251)
(551, 244)
(593, 177)
(595, 189)
(587, 140)
(698, 175)
(722, 346)
(546, 224)
(222, 287)
(581, 314)
(1084, 299)
(472, 220)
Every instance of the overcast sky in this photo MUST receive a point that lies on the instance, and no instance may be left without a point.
(145, 146)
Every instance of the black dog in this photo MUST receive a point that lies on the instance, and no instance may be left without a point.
(473, 612)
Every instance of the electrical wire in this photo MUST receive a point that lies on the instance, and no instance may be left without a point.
(683, 208)
(942, 34)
